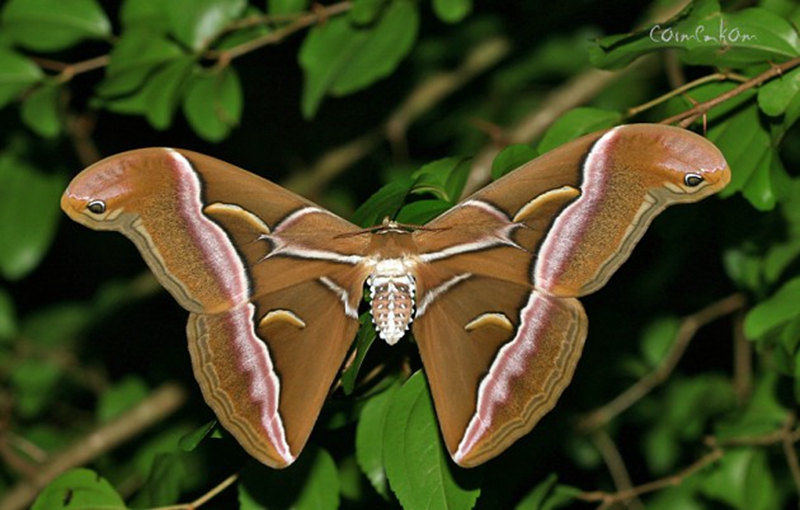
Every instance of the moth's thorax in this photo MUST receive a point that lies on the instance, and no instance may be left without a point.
(392, 288)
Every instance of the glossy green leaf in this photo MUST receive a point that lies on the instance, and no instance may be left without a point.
(52, 25)
(418, 467)
(279, 7)
(575, 123)
(511, 158)
(779, 308)
(244, 34)
(196, 23)
(364, 339)
(452, 11)
(121, 397)
(422, 211)
(41, 111)
(444, 178)
(384, 202)
(742, 479)
(79, 489)
(548, 495)
(17, 74)
(213, 103)
(192, 440)
(171, 474)
(366, 11)
(776, 95)
(164, 90)
(143, 14)
(311, 483)
(370, 442)
(707, 37)
(136, 55)
(338, 58)
(31, 198)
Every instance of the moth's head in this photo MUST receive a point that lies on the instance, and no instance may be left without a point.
(687, 166)
(101, 195)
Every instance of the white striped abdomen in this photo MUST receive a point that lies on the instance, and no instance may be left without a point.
(392, 304)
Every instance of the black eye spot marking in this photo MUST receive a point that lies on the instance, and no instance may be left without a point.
(96, 207)
(693, 180)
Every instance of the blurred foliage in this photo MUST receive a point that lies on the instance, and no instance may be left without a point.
(277, 86)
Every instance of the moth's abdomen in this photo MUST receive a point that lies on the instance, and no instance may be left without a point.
(392, 298)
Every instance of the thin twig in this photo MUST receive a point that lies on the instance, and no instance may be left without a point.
(205, 498)
(687, 330)
(161, 403)
(608, 498)
(304, 21)
(633, 111)
(616, 465)
(687, 117)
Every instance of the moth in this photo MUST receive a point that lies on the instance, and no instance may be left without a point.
(273, 283)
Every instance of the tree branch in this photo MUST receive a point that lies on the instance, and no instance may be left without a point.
(690, 115)
(421, 99)
(160, 404)
(688, 328)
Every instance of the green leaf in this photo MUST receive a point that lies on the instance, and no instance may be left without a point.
(280, 7)
(79, 489)
(213, 103)
(32, 198)
(163, 91)
(41, 111)
(764, 413)
(742, 479)
(511, 158)
(171, 474)
(418, 467)
(549, 496)
(311, 483)
(369, 439)
(444, 178)
(780, 308)
(575, 123)
(452, 11)
(365, 12)
(364, 339)
(8, 318)
(192, 440)
(776, 95)
(338, 58)
(121, 397)
(17, 74)
(422, 211)
(707, 37)
(143, 14)
(196, 23)
(136, 55)
(383, 203)
(53, 25)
